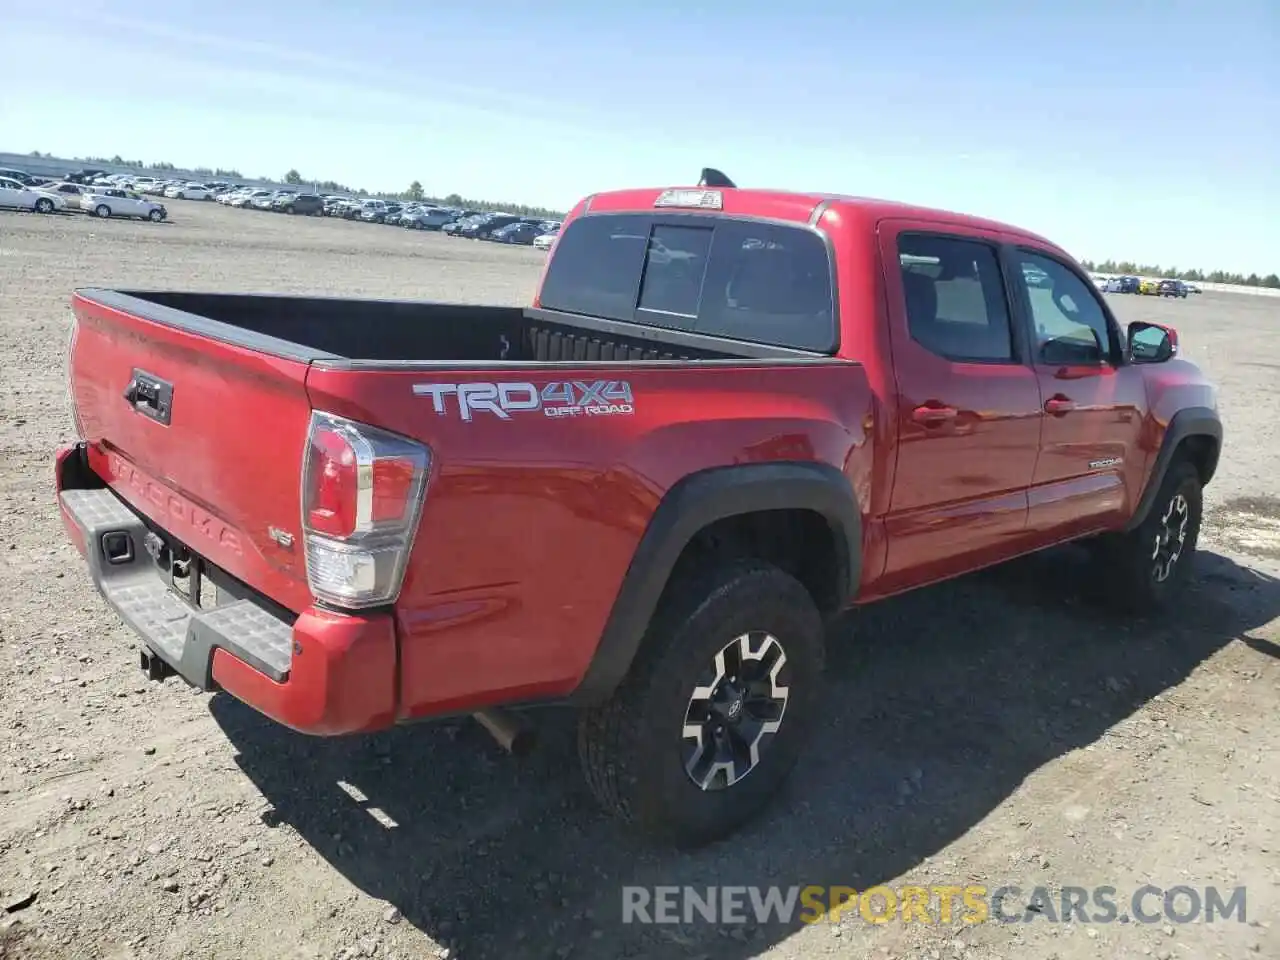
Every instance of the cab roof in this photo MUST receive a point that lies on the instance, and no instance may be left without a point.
(799, 207)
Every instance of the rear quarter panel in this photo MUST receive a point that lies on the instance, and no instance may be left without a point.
(530, 523)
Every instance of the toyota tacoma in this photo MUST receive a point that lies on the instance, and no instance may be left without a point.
(728, 415)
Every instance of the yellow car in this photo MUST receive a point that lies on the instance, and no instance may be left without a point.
(1149, 287)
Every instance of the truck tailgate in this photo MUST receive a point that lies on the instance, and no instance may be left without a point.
(202, 437)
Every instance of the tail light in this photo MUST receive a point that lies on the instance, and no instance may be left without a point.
(362, 491)
(71, 394)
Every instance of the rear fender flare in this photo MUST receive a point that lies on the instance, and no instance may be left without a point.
(689, 506)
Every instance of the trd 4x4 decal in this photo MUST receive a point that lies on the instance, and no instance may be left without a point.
(561, 398)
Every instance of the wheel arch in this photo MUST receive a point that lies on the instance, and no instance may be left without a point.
(1194, 434)
(719, 499)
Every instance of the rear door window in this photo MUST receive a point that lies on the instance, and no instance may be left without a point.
(745, 280)
(768, 283)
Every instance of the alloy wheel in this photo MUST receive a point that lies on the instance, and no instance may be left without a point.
(735, 710)
(1171, 535)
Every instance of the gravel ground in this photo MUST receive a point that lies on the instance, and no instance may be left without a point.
(995, 730)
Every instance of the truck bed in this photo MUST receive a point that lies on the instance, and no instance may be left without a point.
(197, 417)
(334, 331)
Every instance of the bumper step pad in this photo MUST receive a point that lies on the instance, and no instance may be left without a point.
(179, 633)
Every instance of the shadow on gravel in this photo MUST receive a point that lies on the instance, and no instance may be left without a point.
(943, 702)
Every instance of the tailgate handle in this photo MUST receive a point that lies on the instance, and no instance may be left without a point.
(150, 396)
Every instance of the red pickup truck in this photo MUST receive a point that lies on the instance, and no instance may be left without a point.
(728, 415)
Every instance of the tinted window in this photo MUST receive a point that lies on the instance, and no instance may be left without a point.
(1065, 312)
(769, 284)
(674, 265)
(955, 298)
(596, 267)
(750, 281)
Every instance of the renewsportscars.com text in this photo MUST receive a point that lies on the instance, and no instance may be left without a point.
(940, 904)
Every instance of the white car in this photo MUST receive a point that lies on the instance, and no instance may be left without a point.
(70, 192)
(247, 199)
(545, 240)
(190, 191)
(115, 202)
(14, 194)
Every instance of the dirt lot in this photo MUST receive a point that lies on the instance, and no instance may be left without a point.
(997, 730)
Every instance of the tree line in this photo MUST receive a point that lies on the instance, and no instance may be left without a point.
(158, 165)
(1173, 273)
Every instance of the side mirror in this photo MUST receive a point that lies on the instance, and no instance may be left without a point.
(1152, 342)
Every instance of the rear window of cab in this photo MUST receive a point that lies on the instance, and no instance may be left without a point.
(759, 282)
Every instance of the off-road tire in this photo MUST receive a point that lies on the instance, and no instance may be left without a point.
(1129, 563)
(631, 746)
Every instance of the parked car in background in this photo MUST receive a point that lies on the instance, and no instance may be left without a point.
(22, 197)
(70, 193)
(86, 175)
(1172, 288)
(264, 199)
(24, 178)
(107, 202)
(521, 232)
(190, 191)
(484, 227)
(1194, 288)
(545, 241)
(1148, 287)
(380, 211)
(427, 218)
(251, 198)
(303, 203)
(455, 228)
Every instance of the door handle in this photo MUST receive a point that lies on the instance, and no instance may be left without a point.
(932, 416)
(150, 396)
(1059, 405)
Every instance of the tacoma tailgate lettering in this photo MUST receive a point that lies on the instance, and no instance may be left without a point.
(177, 510)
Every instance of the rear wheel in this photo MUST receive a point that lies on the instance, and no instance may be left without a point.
(716, 709)
(102, 210)
(44, 205)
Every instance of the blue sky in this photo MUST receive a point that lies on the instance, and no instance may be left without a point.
(1119, 129)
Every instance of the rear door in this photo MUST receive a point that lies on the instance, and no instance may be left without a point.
(1090, 468)
(968, 404)
(204, 437)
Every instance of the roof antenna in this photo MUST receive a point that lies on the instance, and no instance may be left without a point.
(711, 177)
